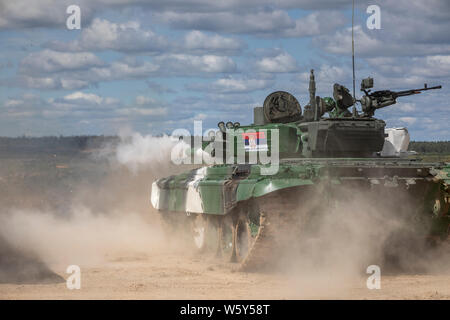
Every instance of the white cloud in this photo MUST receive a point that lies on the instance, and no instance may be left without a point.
(161, 111)
(124, 70)
(51, 13)
(50, 69)
(13, 103)
(197, 41)
(47, 61)
(283, 62)
(406, 107)
(23, 106)
(40, 82)
(126, 37)
(84, 106)
(130, 37)
(143, 100)
(78, 74)
(272, 23)
(53, 82)
(408, 120)
(42, 13)
(377, 43)
(326, 76)
(400, 73)
(233, 85)
(432, 66)
(89, 98)
(189, 64)
(313, 24)
(72, 84)
(341, 42)
(412, 48)
(239, 85)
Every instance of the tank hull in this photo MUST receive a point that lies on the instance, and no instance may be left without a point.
(218, 189)
(261, 214)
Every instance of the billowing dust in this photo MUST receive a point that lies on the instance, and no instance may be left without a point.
(112, 216)
(110, 230)
(374, 227)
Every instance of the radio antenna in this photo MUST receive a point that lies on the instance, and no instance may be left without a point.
(353, 56)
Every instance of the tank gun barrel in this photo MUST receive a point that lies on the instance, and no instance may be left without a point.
(415, 91)
(403, 93)
(372, 101)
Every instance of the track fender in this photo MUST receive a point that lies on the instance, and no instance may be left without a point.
(257, 188)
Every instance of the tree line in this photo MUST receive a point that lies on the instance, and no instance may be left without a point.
(55, 143)
(93, 142)
(430, 146)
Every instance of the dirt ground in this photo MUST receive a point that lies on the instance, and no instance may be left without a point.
(188, 276)
(70, 209)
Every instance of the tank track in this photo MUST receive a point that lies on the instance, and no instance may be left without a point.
(284, 225)
(282, 222)
(264, 244)
(278, 230)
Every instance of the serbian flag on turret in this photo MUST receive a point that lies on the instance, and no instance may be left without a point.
(255, 141)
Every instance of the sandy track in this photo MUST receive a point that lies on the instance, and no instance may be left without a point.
(187, 276)
(105, 224)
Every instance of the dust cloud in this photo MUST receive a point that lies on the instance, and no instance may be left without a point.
(107, 217)
(17, 266)
(84, 238)
(138, 152)
(110, 217)
(354, 229)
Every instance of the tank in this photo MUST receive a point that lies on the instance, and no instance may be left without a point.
(272, 181)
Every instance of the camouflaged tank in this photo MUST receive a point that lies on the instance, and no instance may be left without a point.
(247, 210)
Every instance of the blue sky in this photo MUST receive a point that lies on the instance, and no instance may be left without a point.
(154, 66)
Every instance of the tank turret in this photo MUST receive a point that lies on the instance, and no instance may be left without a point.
(326, 128)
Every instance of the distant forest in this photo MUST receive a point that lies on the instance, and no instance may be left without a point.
(47, 144)
(430, 146)
(55, 144)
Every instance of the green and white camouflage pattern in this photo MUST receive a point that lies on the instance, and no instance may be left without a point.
(217, 189)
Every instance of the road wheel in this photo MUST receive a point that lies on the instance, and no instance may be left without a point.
(204, 233)
(199, 231)
(226, 249)
(243, 238)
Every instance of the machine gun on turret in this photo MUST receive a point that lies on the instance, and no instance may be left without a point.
(372, 101)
